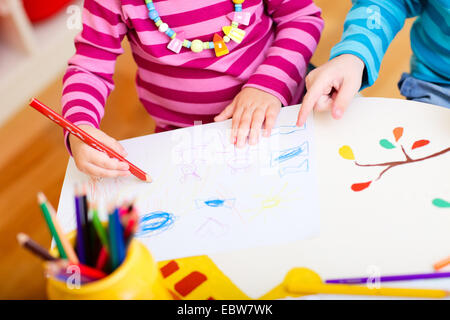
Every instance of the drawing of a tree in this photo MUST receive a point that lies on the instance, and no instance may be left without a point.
(347, 153)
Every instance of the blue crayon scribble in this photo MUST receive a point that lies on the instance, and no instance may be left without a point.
(288, 154)
(215, 203)
(285, 130)
(302, 167)
(154, 223)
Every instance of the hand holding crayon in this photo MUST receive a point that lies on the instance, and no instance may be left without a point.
(86, 138)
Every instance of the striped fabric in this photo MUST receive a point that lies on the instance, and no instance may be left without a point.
(178, 89)
(371, 25)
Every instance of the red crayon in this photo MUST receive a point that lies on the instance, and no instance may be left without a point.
(129, 229)
(102, 259)
(90, 272)
(85, 137)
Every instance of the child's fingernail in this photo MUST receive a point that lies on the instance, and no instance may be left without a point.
(337, 113)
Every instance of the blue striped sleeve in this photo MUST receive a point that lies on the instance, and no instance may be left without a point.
(369, 28)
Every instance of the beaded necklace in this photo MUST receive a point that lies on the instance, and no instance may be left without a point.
(232, 32)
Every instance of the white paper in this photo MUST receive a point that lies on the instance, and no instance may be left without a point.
(209, 196)
(390, 228)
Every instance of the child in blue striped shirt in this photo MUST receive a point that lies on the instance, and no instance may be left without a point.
(369, 28)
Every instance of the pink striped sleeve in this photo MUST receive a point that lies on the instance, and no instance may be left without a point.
(89, 77)
(298, 29)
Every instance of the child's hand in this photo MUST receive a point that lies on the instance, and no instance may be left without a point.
(94, 162)
(250, 109)
(332, 86)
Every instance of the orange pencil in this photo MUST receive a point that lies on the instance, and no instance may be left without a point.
(441, 264)
(70, 252)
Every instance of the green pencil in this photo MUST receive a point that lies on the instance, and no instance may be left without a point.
(51, 226)
(101, 232)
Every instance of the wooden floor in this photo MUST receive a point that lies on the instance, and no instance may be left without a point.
(34, 157)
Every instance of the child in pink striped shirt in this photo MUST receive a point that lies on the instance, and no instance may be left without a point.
(190, 68)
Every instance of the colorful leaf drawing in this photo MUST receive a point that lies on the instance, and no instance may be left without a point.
(386, 144)
(398, 133)
(347, 153)
(441, 203)
(360, 186)
(419, 143)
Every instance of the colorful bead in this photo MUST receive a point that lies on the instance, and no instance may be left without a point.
(169, 32)
(220, 48)
(163, 27)
(240, 17)
(197, 45)
(153, 14)
(234, 33)
(187, 44)
(175, 45)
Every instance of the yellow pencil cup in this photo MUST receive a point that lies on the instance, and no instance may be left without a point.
(137, 278)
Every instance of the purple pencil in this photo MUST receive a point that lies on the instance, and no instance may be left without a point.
(405, 277)
(80, 228)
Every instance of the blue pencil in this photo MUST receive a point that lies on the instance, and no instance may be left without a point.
(81, 245)
(113, 239)
(119, 237)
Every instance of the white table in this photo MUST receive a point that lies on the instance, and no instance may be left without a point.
(391, 227)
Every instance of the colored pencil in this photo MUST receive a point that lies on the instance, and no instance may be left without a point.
(86, 270)
(70, 252)
(86, 138)
(311, 288)
(404, 277)
(101, 232)
(28, 243)
(113, 253)
(51, 269)
(84, 211)
(441, 264)
(129, 229)
(50, 225)
(119, 238)
(102, 259)
(124, 209)
(81, 245)
(60, 266)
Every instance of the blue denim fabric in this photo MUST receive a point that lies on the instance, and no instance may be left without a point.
(423, 91)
